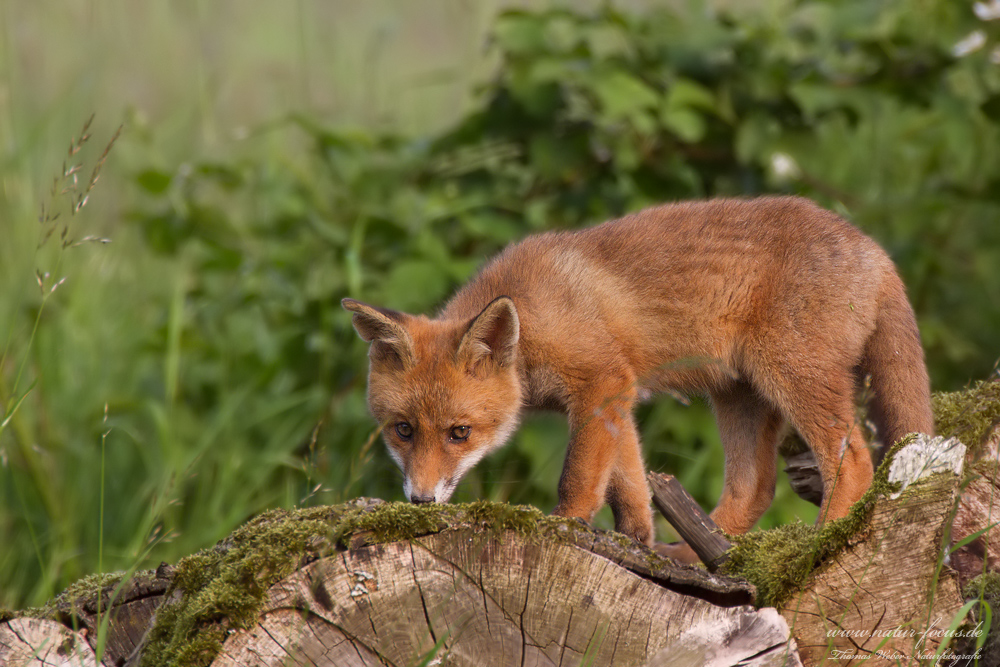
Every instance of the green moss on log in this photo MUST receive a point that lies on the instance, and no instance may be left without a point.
(224, 588)
(968, 415)
(392, 522)
(68, 605)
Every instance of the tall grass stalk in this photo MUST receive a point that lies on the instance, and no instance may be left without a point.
(100, 534)
(66, 188)
(67, 197)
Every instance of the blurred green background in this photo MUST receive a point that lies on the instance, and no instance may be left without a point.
(277, 157)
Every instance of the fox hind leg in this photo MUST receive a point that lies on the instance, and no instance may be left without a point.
(821, 407)
(749, 427)
(844, 459)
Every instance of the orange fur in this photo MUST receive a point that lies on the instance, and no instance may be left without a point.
(774, 308)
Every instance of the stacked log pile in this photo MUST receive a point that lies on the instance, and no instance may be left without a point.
(373, 583)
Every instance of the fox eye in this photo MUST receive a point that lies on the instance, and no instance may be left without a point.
(460, 433)
(404, 430)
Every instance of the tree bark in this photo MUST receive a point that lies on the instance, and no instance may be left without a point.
(690, 521)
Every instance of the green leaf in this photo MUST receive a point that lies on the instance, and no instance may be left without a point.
(154, 181)
(688, 93)
(548, 70)
(688, 125)
(814, 99)
(520, 33)
(679, 113)
(414, 285)
(608, 41)
(561, 33)
(987, 612)
(621, 94)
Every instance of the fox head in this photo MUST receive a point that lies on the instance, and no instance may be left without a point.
(446, 392)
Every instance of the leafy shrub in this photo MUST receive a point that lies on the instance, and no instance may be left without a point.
(856, 104)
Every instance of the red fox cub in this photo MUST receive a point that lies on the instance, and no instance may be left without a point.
(774, 308)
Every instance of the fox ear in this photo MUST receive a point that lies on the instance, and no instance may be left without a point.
(492, 335)
(385, 330)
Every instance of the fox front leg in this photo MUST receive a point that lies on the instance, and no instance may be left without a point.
(604, 461)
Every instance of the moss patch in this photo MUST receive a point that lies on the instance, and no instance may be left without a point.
(71, 603)
(968, 415)
(392, 522)
(778, 561)
(224, 588)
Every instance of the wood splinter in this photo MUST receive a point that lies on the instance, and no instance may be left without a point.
(689, 520)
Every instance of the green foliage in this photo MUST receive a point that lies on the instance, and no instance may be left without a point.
(985, 589)
(240, 383)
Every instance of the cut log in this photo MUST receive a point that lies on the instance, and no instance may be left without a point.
(128, 609)
(481, 584)
(888, 598)
(374, 583)
(37, 642)
(459, 599)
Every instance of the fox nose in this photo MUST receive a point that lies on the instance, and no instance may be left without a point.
(421, 499)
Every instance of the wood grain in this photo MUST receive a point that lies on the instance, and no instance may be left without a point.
(469, 599)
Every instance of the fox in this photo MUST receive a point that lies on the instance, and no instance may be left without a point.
(775, 309)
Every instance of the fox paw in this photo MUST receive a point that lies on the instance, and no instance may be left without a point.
(679, 551)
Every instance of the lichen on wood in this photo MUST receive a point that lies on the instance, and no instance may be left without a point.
(91, 590)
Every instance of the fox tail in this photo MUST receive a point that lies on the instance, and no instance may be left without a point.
(894, 360)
